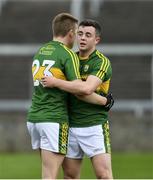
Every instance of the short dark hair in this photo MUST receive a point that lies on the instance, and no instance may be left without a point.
(93, 23)
(63, 23)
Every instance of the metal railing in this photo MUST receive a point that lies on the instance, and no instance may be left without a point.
(137, 106)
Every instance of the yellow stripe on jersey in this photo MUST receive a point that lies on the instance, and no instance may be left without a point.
(104, 66)
(57, 73)
(104, 69)
(83, 58)
(39, 74)
(104, 87)
(75, 61)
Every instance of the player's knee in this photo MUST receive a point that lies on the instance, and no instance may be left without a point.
(71, 175)
(104, 174)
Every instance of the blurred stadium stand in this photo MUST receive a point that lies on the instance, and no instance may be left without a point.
(127, 40)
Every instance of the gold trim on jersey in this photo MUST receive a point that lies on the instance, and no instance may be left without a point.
(56, 72)
(104, 66)
(104, 87)
(39, 74)
(83, 58)
(75, 61)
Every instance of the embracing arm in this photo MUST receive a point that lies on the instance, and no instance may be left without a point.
(77, 87)
(93, 99)
(84, 90)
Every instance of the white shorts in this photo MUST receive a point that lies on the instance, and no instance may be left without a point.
(49, 136)
(88, 141)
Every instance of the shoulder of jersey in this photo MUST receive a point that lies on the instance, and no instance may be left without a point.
(101, 55)
(69, 51)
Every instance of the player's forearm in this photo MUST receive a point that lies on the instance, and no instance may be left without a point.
(77, 87)
(93, 99)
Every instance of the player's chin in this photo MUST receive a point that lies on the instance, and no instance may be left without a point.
(82, 48)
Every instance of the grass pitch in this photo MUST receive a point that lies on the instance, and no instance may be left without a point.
(125, 166)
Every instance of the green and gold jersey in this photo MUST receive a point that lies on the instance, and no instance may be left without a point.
(83, 114)
(50, 104)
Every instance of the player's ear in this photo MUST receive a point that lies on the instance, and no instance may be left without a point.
(71, 33)
(98, 39)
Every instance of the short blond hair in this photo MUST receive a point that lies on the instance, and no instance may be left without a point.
(63, 23)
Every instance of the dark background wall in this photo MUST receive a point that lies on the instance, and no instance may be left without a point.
(122, 22)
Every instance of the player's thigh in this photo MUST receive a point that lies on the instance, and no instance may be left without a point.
(51, 163)
(102, 165)
(51, 159)
(71, 168)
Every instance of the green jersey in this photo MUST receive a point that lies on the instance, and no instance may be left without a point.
(50, 104)
(84, 114)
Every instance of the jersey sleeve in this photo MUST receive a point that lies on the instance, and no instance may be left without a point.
(102, 69)
(72, 66)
